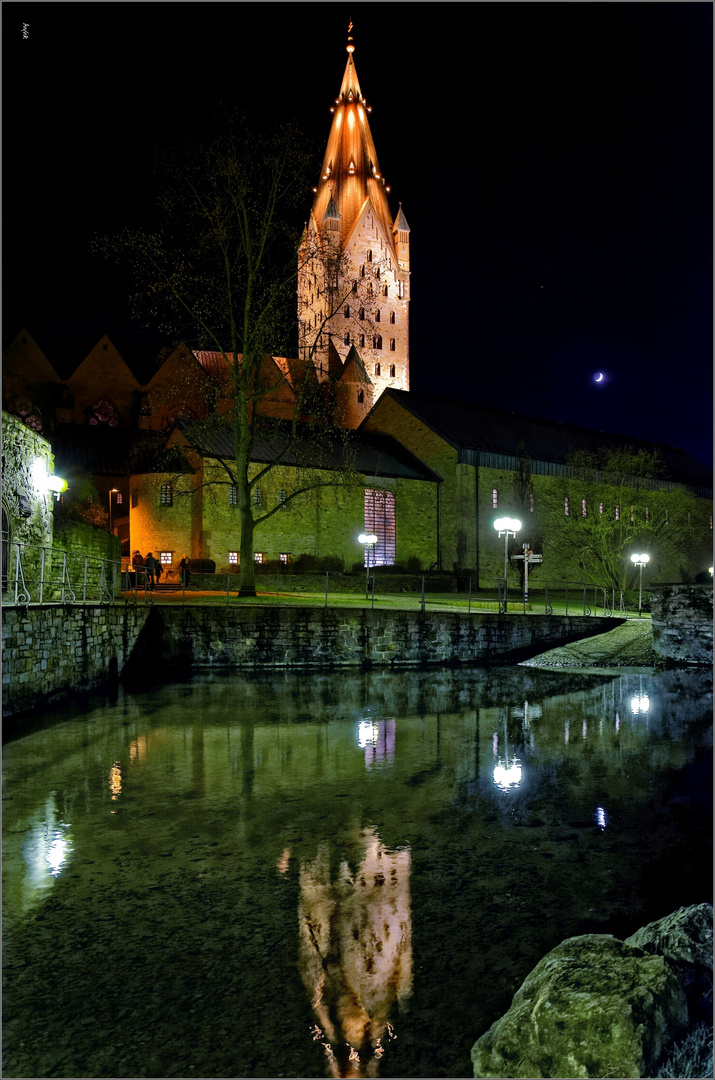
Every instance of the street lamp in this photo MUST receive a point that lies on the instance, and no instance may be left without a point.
(507, 527)
(640, 561)
(368, 540)
(111, 492)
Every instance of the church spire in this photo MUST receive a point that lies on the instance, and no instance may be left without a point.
(351, 173)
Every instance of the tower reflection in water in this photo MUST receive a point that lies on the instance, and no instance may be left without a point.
(355, 952)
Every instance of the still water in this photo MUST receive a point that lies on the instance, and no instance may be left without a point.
(341, 875)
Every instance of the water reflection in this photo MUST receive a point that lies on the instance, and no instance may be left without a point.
(356, 951)
(302, 884)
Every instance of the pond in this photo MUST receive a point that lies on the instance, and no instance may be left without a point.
(344, 875)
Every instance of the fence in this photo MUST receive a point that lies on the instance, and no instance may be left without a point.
(49, 575)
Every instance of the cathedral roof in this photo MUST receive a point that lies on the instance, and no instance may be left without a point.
(477, 432)
(351, 174)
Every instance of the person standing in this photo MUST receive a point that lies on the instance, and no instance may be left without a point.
(185, 568)
(150, 564)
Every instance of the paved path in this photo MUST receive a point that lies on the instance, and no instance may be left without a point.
(629, 645)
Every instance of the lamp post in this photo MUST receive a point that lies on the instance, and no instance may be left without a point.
(368, 541)
(111, 492)
(640, 561)
(507, 527)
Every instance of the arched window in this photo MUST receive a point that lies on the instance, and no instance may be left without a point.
(347, 311)
(386, 291)
(377, 273)
(392, 371)
(377, 369)
(362, 341)
(103, 412)
(377, 315)
(346, 339)
(354, 286)
(362, 312)
(361, 396)
(392, 344)
(392, 317)
(377, 342)
(369, 256)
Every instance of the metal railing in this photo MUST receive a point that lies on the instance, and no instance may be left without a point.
(47, 575)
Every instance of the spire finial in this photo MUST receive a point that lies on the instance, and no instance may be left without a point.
(350, 47)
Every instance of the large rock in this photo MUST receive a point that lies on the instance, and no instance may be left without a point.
(593, 1006)
(685, 937)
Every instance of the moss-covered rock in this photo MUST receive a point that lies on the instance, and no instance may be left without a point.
(686, 936)
(593, 1006)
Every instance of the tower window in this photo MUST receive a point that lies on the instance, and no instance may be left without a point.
(362, 312)
(377, 369)
(392, 344)
(354, 286)
(360, 396)
(377, 342)
(362, 341)
(392, 317)
(347, 311)
(401, 290)
(377, 273)
(386, 291)
(166, 495)
(377, 315)
(346, 339)
(392, 371)
(369, 256)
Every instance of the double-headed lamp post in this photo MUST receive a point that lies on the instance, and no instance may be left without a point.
(368, 540)
(507, 527)
(640, 561)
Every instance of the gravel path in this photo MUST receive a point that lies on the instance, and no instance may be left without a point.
(629, 645)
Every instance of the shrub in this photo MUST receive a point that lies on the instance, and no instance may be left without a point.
(693, 1056)
(203, 566)
(413, 565)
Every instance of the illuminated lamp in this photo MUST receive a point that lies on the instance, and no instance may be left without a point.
(640, 561)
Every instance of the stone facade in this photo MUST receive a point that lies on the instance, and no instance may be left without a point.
(682, 618)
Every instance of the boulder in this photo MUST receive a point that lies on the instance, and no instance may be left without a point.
(593, 1006)
(685, 937)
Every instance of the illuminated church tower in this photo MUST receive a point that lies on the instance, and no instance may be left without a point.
(354, 270)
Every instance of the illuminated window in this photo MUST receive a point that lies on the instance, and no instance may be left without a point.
(633, 516)
(284, 557)
(392, 344)
(392, 371)
(166, 495)
(495, 499)
(233, 558)
(392, 317)
(618, 513)
(647, 514)
(377, 369)
(165, 557)
(258, 556)
(600, 508)
(380, 520)
(232, 495)
(361, 396)
(258, 497)
(119, 498)
(401, 290)
(531, 503)
(583, 508)
(566, 506)
(377, 341)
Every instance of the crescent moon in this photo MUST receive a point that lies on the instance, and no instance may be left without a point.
(599, 377)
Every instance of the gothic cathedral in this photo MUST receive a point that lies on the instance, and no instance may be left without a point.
(354, 267)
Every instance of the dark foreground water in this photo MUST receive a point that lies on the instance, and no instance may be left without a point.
(300, 875)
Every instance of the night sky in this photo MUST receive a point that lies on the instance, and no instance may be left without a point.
(554, 162)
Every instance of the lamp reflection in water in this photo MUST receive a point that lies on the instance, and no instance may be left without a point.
(355, 952)
(47, 850)
(507, 772)
(377, 739)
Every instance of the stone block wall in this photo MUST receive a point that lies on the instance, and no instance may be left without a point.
(682, 619)
(53, 652)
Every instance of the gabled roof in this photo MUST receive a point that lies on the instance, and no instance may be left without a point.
(354, 369)
(469, 427)
(105, 451)
(371, 453)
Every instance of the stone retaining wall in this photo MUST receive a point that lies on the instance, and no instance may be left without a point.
(682, 617)
(60, 651)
